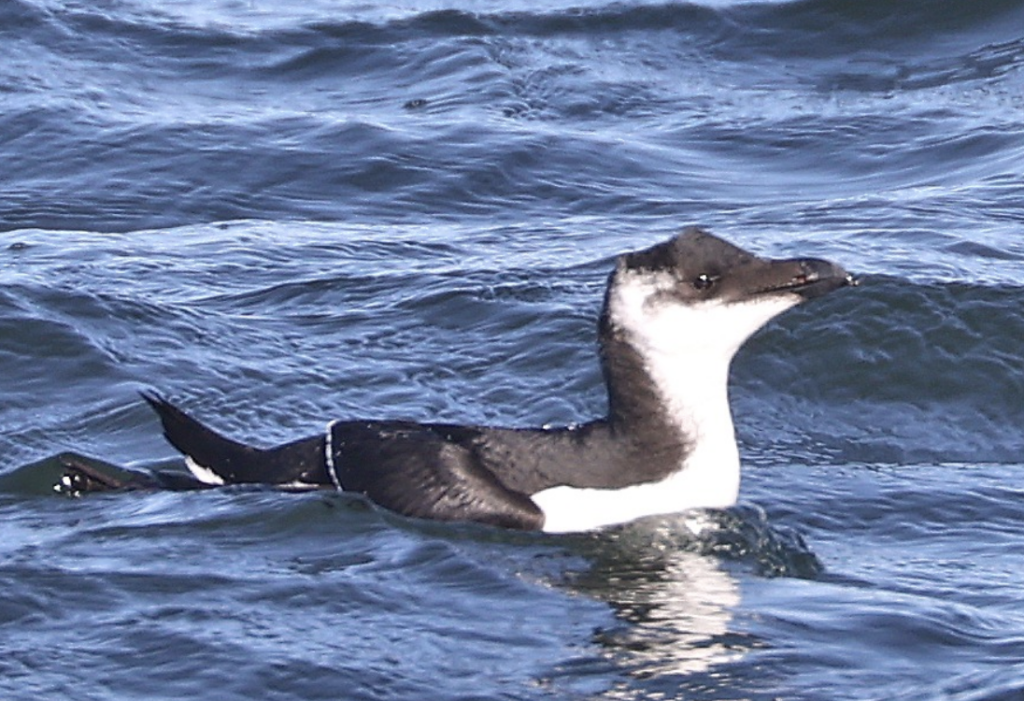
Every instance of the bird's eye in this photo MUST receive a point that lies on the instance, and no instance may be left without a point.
(704, 282)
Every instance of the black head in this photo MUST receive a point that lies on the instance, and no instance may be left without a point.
(695, 298)
(674, 316)
(696, 266)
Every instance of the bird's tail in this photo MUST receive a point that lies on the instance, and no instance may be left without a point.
(215, 459)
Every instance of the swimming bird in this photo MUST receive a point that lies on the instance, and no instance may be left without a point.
(674, 316)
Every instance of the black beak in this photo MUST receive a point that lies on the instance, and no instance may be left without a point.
(816, 277)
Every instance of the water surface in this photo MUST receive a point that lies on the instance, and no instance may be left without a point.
(282, 214)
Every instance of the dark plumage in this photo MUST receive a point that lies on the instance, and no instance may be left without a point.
(673, 316)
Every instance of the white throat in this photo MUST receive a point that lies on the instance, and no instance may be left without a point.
(687, 350)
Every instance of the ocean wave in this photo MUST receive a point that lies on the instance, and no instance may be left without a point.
(897, 341)
(812, 26)
(121, 120)
(891, 373)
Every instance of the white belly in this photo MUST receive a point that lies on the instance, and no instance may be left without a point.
(571, 509)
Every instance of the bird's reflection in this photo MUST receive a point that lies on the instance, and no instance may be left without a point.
(674, 586)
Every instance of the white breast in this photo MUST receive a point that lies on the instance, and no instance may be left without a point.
(687, 350)
(570, 509)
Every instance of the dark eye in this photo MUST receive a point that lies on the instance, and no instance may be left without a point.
(704, 282)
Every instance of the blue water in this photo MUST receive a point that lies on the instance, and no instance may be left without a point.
(283, 213)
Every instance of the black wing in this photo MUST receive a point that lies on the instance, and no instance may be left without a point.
(423, 471)
(413, 469)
